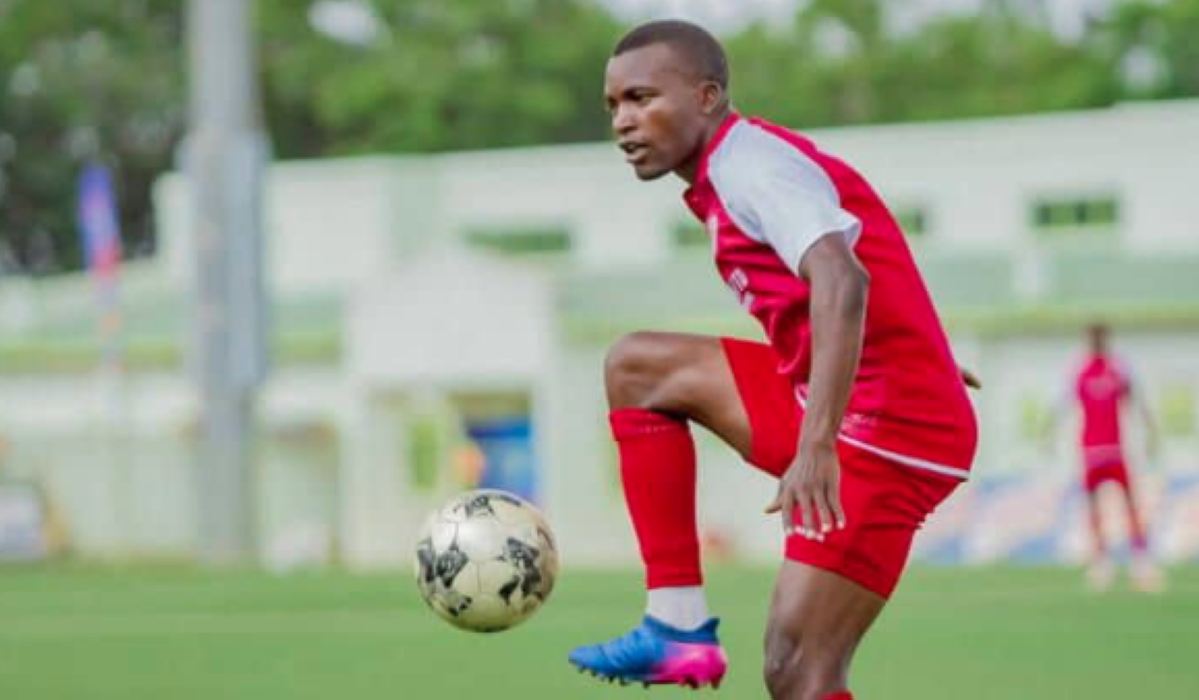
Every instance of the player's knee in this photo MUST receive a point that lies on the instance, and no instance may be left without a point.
(640, 371)
(793, 672)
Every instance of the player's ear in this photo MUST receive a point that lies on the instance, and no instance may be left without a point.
(711, 97)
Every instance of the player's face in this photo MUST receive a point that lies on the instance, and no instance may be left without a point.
(658, 110)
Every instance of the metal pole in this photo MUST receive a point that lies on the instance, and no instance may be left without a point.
(224, 158)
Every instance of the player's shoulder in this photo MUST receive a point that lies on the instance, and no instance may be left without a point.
(755, 152)
(752, 140)
(1122, 367)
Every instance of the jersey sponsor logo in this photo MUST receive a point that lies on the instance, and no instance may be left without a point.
(1102, 386)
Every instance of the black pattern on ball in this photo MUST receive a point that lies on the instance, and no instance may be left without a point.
(478, 504)
(524, 557)
(427, 560)
(449, 564)
(509, 499)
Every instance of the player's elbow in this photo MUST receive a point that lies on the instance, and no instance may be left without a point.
(853, 288)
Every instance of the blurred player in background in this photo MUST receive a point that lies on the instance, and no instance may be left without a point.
(856, 405)
(1101, 388)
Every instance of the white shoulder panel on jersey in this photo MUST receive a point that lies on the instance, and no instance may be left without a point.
(776, 194)
(1131, 384)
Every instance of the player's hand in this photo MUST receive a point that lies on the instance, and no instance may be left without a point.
(813, 485)
(970, 378)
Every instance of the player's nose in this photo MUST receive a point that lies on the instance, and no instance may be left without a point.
(623, 120)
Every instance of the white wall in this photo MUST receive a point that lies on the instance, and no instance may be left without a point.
(327, 223)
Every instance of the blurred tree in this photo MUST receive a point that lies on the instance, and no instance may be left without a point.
(80, 81)
(438, 75)
(84, 80)
(839, 65)
(1153, 47)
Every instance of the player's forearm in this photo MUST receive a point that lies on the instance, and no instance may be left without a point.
(838, 310)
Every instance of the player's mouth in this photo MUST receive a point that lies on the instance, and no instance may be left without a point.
(635, 152)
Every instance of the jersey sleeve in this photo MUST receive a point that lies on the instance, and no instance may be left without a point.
(779, 196)
(1065, 398)
(1128, 376)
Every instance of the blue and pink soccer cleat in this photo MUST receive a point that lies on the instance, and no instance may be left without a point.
(655, 653)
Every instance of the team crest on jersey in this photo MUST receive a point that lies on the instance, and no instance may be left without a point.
(738, 281)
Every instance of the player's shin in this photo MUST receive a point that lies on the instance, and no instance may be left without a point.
(658, 470)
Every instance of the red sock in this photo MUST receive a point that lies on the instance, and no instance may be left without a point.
(843, 695)
(657, 467)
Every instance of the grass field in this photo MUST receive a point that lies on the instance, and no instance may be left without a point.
(98, 634)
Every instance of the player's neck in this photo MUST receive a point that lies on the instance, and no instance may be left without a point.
(689, 170)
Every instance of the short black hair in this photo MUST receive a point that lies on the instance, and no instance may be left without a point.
(700, 48)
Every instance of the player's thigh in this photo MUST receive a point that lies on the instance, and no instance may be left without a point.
(818, 617)
(765, 401)
(691, 376)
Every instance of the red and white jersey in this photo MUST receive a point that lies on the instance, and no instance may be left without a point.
(1100, 387)
(766, 194)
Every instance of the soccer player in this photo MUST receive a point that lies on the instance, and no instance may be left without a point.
(856, 404)
(1101, 387)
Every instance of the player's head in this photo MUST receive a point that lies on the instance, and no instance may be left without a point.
(666, 87)
(1097, 337)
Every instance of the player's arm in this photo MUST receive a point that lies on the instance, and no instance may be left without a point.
(784, 199)
(1140, 404)
(1059, 408)
(839, 289)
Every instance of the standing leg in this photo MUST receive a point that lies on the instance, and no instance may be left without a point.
(817, 620)
(1146, 576)
(830, 591)
(1101, 571)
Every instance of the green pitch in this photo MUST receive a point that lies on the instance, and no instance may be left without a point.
(100, 634)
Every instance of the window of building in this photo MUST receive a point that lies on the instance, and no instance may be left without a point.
(1065, 215)
(521, 240)
(913, 221)
(689, 233)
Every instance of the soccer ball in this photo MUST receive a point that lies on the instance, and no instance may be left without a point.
(486, 561)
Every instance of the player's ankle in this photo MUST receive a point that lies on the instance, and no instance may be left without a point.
(684, 608)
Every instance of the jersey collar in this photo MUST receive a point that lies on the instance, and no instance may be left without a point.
(722, 131)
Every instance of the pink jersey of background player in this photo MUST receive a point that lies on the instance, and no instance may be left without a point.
(1101, 387)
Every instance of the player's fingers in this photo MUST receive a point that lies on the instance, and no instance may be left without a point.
(823, 511)
(787, 506)
(834, 501)
(776, 505)
(971, 379)
(807, 512)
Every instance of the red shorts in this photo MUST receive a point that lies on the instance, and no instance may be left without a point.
(884, 502)
(1096, 476)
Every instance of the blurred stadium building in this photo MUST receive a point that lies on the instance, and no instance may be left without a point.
(443, 319)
